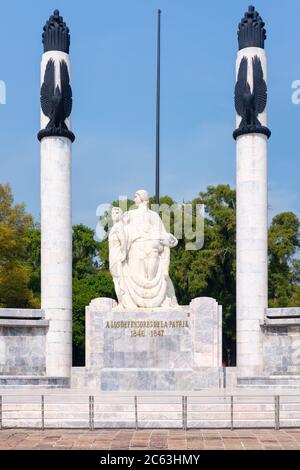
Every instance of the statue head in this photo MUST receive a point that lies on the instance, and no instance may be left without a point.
(141, 197)
(116, 214)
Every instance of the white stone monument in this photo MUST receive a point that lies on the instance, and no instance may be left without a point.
(56, 195)
(144, 349)
(139, 256)
(252, 222)
(147, 341)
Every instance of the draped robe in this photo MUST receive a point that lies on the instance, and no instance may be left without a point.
(145, 270)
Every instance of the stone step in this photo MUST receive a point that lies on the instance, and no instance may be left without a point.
(270, 382)
(27, 381)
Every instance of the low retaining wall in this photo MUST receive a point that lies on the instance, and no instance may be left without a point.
(22, 342)
(281, 341)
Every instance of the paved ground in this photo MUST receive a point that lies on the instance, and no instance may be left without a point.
(150, 439)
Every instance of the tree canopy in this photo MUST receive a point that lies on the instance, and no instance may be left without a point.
(284, 241)
(15, 268)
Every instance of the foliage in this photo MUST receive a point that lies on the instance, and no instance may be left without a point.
(90, 280)
(85, 251)
(33, 256)
(15, 271)
(284, 270)
(210, 272)
(85, 289)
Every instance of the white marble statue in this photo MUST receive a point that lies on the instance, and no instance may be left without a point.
(139, 256)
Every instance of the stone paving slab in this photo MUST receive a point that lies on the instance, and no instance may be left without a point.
(12, 439)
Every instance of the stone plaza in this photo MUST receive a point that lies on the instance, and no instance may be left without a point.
(121, 439)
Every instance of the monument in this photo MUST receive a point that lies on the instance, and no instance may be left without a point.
(268, 351)
(267, 339)
(251, 185)
(56, 140)
(36, 344)
(146, 341)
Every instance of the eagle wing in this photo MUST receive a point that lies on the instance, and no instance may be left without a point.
(47, 88)
(66, 89)
(240, 87)
(259, 86)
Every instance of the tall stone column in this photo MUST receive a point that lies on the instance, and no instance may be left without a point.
(56, 195)
(252, 202)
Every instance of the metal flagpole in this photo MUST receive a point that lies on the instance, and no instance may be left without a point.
(157, 176)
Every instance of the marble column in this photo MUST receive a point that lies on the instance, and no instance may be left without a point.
(56, 196)
(252, 186)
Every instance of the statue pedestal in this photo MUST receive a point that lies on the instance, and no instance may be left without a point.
(153, 349)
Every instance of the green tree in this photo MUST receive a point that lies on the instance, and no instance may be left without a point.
(91, 279)
(15, 271)
(33, 256)
(211, 271)
(284, 269)
(91, 286)
(85, 251)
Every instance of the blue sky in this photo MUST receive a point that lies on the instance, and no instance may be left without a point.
(113, 53)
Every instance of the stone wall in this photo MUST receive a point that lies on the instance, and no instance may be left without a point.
(206, 316)
(22, 342)
(281, 341)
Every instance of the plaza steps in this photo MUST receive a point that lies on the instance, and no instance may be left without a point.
(28, 381)
(272, 382)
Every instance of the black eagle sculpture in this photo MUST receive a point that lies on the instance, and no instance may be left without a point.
(249, 104)
(56, 102)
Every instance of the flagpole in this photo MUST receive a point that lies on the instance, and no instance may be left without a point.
(157, 159)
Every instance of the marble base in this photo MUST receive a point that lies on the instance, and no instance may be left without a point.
(153, 349)
(147, 380)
